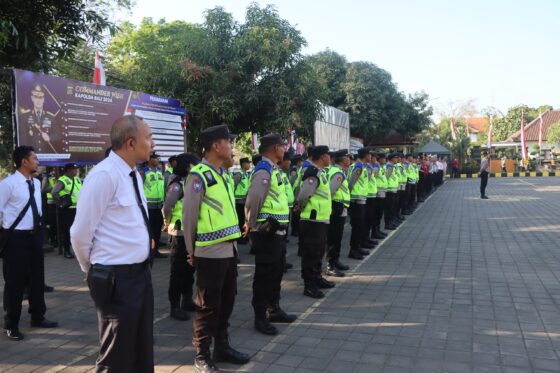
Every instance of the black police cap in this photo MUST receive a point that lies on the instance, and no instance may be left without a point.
(70, 166)
(320, 150)
(244, 160)
(381, 155)
(362, 152)
(271, 139)
(392, 155)
(216, 133)
(340, 153)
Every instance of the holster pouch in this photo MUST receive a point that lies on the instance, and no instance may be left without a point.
(101, 283)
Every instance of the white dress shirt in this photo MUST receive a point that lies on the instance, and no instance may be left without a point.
(14, 194)
(109, 227)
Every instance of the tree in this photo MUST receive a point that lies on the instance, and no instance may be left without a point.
(553, 135)
(331, 69)
(507, 125)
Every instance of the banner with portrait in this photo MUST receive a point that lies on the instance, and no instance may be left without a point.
(68, 121)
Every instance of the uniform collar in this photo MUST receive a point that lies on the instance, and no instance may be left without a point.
(21, 177)
(266, 159)
(205, 162)
(122, 166)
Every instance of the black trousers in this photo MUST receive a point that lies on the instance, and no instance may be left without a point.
(156, 223)
(270, 259)
(240, 208)
(403, 199)
(23, 266)
(379, 211)
(216, 287)
(389, 207)
(336, 231)
(371, 208)
(181, 277)
(51, 223)
(294, 223)
(125, 320)
(312, 244)
(440, 177)
(357, 214)
(66, 220)
(397, 203)
(483, 182)
(411, 195)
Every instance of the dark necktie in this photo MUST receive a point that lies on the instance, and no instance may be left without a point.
(141, 206)
(36, 217)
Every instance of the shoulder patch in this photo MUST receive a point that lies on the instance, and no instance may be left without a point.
(310, 171)
(339, 178)
(175, 187)
(197, 186)
(263, 165)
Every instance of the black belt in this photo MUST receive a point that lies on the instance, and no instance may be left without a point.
(25, 231)
(125, 268)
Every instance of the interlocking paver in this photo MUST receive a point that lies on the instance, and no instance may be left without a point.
(464, 285)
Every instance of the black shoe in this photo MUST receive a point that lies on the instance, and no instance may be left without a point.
(68, 254)
(13, 334)
(322, 283)
(340, 266)
(264, 326)
(483, 197)
(378, 235)
(354, 254)
(159, 255)
(204, 364)
(278, 315)
(226, 353)
(363, 252)
(407, 213)
(44, 324)
(333, 271)
(391, 227)
(313, 292)
(180, 314)
(373, 242)
(49, 289)
(289, 265)
(367, 245)
(401, 218)
(187, 304)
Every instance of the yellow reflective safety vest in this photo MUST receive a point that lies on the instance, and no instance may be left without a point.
(289, 190)
(177, 212)
(154, 188)
(372, 185)
(342, 195)
(51, 181)
(275, 205)
(319, 205)
(68, 182)
(217, 218)
(242, 187)
(381, 179)
(392, 178)
(359, 190)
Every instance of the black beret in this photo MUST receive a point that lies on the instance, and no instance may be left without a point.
(362, 152)
(70, 166)
(216, 133)
(319, 150)
(271, 139)
(244, 160)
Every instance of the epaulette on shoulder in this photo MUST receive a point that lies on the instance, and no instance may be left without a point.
(263, 165)
(310, 171)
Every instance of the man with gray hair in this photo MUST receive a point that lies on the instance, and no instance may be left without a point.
(111, 240)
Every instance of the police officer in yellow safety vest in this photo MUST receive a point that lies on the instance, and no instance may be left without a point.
(314, 204)
(340, 204)
(154, 190)
(241, 183)
(358, 184)
(211, 230)
(67, 185)
(284, 171)
(391, 223)
(411, 184)
(181, 277)
(267, 217)
(371, 204)
(47, 186)
(168, 175)
(379, 171)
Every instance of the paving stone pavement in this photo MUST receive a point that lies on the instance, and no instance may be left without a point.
(465, 285)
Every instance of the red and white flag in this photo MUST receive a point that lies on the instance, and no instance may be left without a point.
(490, 131)
(523, 141)
(540, 131)
(99, 71)
(254, 141)
(453, 129)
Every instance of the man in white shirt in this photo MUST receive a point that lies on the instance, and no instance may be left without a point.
(22, 243)
(111, 240)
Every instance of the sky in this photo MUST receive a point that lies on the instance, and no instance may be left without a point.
(499, 53)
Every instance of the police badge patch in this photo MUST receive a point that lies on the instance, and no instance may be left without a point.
(196, 186)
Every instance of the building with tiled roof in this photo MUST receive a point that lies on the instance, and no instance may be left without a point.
(549, 118)
(476, 125)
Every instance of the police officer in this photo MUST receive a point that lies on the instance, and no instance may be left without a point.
(181, 278)
(380, 172)
(267, 218)
(340, 203)
(371, 204)
(154, 192)
(391, 196)
(67, 185)
(48, 183)
(401, 197)
(168, 174)
(39, 123)
(314, 202)
(211, 231)
(358, 184)
(242, 181)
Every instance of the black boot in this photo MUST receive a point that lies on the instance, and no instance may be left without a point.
(188, 304)
(203, 362)
(311, 290)
(355, 254)
(224, 352)
(277, 314)
(264, 326)
(340, 266)
(333, 271)
(322, 283)
(377, 234)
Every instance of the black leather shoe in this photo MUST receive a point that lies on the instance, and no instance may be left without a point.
(13, 334)
(180, 314)
(391, 227)
(44, 324)
(333, 271)
(280, 316)
(265, 327)
(49, 289)
(378, 235)
(367, 245)
(340, 266)
(407, 212)
(364, 252)
(354, 254)
(484, 197)
(313, 292)
(187, 304)
(322, 283)
(205, 364)
(228, 354)
(68, 255)
(373, 242)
